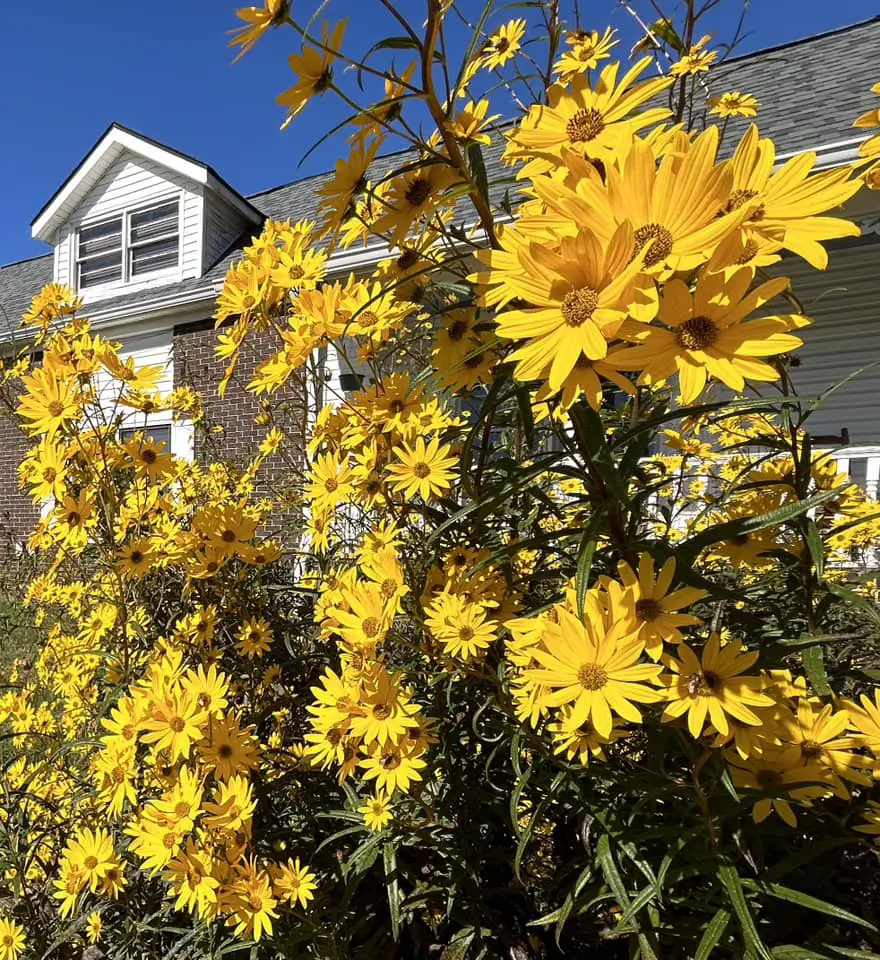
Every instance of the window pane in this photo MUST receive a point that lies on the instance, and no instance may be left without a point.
(100, 270)
(156, 222)
(160, 433)
(154, 256)
(101, 238)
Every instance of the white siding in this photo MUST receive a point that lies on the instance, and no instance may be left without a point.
(223, 226)
(130, 182)
(844, 304)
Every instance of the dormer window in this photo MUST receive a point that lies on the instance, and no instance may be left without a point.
(129, 246)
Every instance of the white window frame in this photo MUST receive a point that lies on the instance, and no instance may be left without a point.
(126, 275)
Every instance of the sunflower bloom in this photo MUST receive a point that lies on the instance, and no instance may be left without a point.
(595, 670)
(711, 686)
(705, 333)
(423, 470)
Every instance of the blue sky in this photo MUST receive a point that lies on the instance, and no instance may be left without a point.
(69, 69)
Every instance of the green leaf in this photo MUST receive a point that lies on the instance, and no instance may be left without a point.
(606, 861)
(391, 885)
(816, 547)
(712, 934)
(736, 528)
(584, 565)
(813, 659)
(751, 940)
(477, 167)
(805, 900)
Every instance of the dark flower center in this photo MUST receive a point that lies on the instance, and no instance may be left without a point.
(697, 333)
(585, 125)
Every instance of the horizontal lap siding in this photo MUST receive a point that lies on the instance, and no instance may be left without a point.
(135, 182)
(844, 304)
(223, 226)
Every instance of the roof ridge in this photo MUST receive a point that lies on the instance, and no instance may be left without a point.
(800, 40)
(15, 263)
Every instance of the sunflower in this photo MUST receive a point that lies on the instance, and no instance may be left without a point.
(503, 44)
(780, 770)
(313, 69)
(12, 939)
(228, 748)
(584, 741)
(295, 883)
(581, 296)
(712, 687)
(673, 207)
(189, 874)
(706, 333)
(785, 205)
(819, 734)
(175, 723)
(50, 402)
(654, 607)
(92, 854)
(376, 811)
(734, 104)
(257, 20)
(462, 627)
(254, 638)
(591, 120)
(136, 558)
(93, 928)
(392, 767)
(413, 194)
(254, 904)
(587, 49)
(423, 469)
(595, 669)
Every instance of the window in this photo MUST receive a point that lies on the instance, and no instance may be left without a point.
(160, 433)
(129, 246)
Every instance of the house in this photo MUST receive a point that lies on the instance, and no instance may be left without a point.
(146, 234)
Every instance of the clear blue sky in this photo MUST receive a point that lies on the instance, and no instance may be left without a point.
(69, 69)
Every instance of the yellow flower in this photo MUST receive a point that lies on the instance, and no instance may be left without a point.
(706, 334)
(189, 874)
(461, 626)
(228, 749)
(295, 883)
(711, 687)
(587, 49)
(314, 71)
(579, 298)
(93, 927)
(174, 724)
(503, 44)
(392, 767)
(257, 20)
(424, 470)
(49, 403)
(470, 122)
(92, 855)
(12, 939)
(254, 637)
(734, 104)
(595, 668)
(696, 60)
(376, 811)
(254, 903)
(591, 120)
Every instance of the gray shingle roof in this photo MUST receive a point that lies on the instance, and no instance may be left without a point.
(810, 92)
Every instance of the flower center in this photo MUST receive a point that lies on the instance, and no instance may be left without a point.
(73, 518)
(389, 588)
(465, 634)
(224, 751)
(750, 250)
(592, 677)
(811, 749)
(648, 609)
(90, 862)
(177, 724)
(370, 627)
(136, 557)
(585, 125)
(422, 470)
(330, 485)
(417, 192)
(228, 536)
(697, 333)
(769, 779)
(409, 258)
(704, 684)
(457, 330)
(56, 408)
(660, 239)
(579, 305)
(381, 711)
(389, 761)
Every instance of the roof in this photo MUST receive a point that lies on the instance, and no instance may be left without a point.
(810, 91)
(113, 143)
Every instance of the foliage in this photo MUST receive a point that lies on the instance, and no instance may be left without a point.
(574, 653)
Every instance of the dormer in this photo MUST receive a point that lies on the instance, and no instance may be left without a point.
(136, 214)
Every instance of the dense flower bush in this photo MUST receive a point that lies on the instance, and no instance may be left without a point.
(558, 637)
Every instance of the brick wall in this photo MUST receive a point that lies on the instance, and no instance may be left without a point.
(235, 436)
(17, 513)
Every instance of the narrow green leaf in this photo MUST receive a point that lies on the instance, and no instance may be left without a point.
(393, 888)
(805, 900)
(584, 565)
(751, 940)
(478, 170)
(712, 934)
(816, 547)
(813, 659)
(606, 861)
